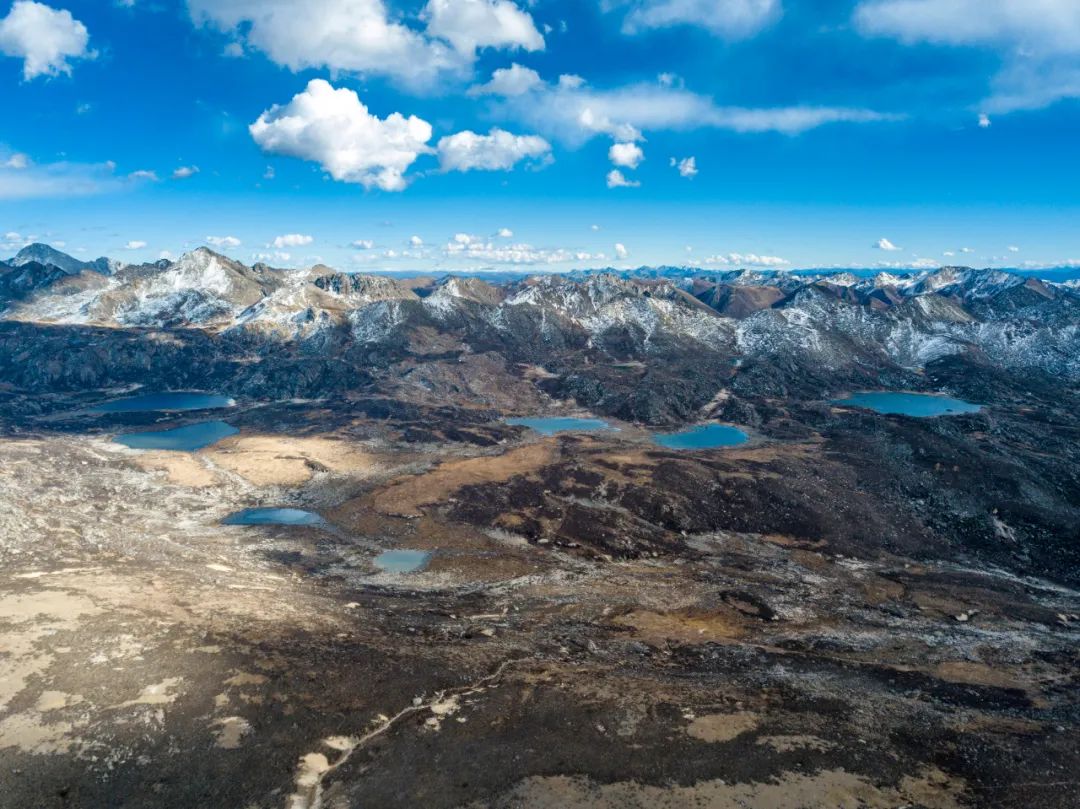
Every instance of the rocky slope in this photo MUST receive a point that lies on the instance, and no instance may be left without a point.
(596, 335)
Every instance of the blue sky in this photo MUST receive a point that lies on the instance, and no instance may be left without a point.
(438, 134)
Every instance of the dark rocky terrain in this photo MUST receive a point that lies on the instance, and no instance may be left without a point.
(849, 610)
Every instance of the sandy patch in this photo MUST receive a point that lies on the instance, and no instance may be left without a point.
(180, 468)
(55, 700)
(979, 674)
(156, 694)
(722, 727)
(34, 618)
(231, 732)
(282, 461)
(29, 733)
(830, 789)
(407, 496)
(684, 626)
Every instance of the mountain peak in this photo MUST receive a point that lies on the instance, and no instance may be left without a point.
(49, 256)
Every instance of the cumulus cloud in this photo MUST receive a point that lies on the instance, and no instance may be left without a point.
(364, 244)
(223, 241)
(416, 241)
(570, 110)
(730, 19)
(1039, 42)
(135, 245)
(333, 128)
(509, 81)
(627, 155)
(616, 179)
(687, 167)
(17, 161)
(497, 151)
(505, 233)
(360, 36)
(746, 260)
(144, 174)
(984, 121)
(1012, 248)
(472, 24)
(885, 244)
(184, 172)
(621, 253)
(292, 240)
(44, 38)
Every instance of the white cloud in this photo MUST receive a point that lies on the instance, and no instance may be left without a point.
(687, 167)
(616, 179)
(472, 24)
(21, 178)
(1038, 41)
(1012, 248)
(967, 249)
(730, 19)
(223, 241)
(416, 241)
(948, 254)
(269, 174)
(984, 121)
(505, 233)
(497, 151)
(184, 172)
(474, 248)
(885, 244)
(747, 260)
(359, 36)
(333, 128)
(627, 155)
(135, 245)
(572, 111)
(144, 174)
(621, 253)
(44, 38)
(292, 240)
(594, 228)
(917, 264)
(364, 244)
(509, 81)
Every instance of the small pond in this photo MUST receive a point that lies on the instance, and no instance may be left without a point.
(918, 405)
(273, 516)
(703, 436)
(402, 561)
(551, 426)
(191, 438)
(165, 402)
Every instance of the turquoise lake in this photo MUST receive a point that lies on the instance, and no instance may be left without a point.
(704, 436)
(551, 426)
(165, 402)
(918, 405)
(402, 561)
(191, 438)
(273, 516)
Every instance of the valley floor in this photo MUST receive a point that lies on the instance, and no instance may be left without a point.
(569, 645)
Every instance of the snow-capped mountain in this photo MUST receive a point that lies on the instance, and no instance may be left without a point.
(757, 329)
(51, 257)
